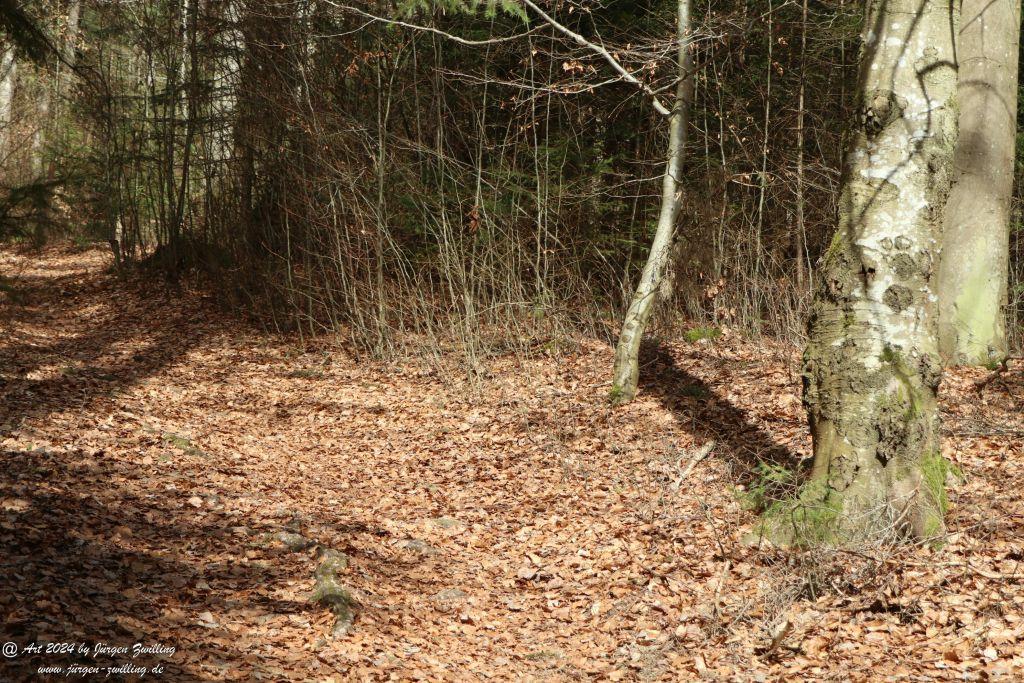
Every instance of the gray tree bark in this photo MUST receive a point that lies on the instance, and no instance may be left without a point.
(8, 74)
(973, 269)
(39, 137)
(626, 371)
(871, 367)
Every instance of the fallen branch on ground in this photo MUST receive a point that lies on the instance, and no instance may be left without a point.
(1004, 366)
(698, 455)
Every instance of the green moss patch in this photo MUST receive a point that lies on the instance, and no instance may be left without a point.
(617, 395)
(935, 471)
(183, 444)
(808, 519)
(699, 333)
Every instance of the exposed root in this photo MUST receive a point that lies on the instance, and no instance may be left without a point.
(330, 593)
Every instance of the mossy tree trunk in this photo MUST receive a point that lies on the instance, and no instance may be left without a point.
(973, 268)
(626, 371)
(871, 368)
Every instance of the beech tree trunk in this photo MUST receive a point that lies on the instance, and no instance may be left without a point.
(626, 371)
(39, 137)
(871, 367)
(973, 269)
(8, 74)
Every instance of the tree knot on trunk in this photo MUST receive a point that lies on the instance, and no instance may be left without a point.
(880, 108)
(898, 298)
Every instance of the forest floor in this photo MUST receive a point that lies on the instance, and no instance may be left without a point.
(162, 465)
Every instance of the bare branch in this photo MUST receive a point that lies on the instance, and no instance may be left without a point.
(430, 29)
(602, 52)
(548, 19)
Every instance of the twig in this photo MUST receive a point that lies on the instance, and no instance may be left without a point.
(701, 453)
(931, 565)
(550, 20)
(430, 29)
(721, 583)
(1004, 365)
(780, 633)
(602, 52)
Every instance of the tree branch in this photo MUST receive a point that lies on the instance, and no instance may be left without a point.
(599, 50)
(602, 52)
(429, 29)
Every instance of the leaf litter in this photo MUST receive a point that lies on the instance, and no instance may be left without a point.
(173, 475)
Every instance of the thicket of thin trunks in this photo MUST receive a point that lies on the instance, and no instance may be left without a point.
(332, 171)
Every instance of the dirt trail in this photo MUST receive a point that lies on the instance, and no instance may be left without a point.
(153, 454)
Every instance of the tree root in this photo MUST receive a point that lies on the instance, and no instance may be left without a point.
(329, 592)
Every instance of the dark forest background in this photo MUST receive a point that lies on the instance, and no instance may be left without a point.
(327, 170)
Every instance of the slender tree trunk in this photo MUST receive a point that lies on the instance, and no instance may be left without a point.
(626, 371)
(227, 66)
(763, 175)
(189, 79)
(46, 112)
(39, 136)
(801, 233)
(68, 49)
(973, 270)
(8, 74)
(872, 367)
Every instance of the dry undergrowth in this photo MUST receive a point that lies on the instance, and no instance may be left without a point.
(164, 468)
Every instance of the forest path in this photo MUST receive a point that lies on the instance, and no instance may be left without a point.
(153, 453)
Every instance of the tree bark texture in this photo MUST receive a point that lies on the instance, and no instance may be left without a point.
(871, 367)
(973, 268)
(8, 74)
(626, 371)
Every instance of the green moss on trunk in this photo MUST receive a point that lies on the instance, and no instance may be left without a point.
(871, 367)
